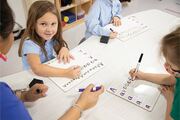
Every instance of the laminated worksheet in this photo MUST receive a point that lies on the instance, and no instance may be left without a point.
(88, 63)
(130, 27)
(139, 92)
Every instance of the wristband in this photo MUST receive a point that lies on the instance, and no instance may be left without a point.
(79, 108)
(18, 92)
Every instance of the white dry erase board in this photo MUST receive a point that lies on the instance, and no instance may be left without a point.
(88, 63)
(130, 27)
(139, 92)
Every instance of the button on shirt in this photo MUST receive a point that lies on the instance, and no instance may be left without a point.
(30, 47)
(101, 14)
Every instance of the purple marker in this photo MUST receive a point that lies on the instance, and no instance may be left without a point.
(93, 90)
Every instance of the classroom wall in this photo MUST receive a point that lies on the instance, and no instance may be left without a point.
(18, 7)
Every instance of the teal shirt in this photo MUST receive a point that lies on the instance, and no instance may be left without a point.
(175, 112)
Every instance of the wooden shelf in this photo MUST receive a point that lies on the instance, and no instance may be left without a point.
(77, 22)
(68, 7)
(74, 7)
(83, 1)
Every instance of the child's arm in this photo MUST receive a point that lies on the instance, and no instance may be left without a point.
(167, 91)
(168, 110)
(92, 21)
(119, 10)
(162, 79)
(46, 71)
(116, 20)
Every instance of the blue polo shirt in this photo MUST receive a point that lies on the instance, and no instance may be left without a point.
(30, 47)
(101, 14)
(11, 108)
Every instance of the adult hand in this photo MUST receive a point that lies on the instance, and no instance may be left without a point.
(89, 99)
(34, 93)
(64, 55)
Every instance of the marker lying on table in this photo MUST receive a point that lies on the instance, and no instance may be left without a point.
(93, 90)
(138, 64)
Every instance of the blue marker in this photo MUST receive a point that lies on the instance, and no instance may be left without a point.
(93, 90)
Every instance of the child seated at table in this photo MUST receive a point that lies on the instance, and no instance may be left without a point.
(43, 40)
(170, 48)
(103, 12)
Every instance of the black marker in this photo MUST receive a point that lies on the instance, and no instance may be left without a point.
(38, 91)
(138, 64)
(111, 30)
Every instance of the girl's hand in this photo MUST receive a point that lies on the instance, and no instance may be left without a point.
(168, 92)
(137, 75)
(116, 21)
(89, 99)
(64, 55)
(73, 72)
(32, 94)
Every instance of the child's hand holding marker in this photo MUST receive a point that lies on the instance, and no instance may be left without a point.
(113, 34)
(135, 73)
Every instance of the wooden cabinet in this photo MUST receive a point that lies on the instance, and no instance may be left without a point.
(77, 8)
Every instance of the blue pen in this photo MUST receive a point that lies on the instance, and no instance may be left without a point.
(93, 90)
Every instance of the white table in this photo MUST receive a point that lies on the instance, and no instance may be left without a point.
(118, 57)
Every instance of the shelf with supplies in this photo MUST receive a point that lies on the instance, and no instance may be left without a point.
(72, 12)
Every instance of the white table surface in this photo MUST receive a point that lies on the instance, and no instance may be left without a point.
(118, 58)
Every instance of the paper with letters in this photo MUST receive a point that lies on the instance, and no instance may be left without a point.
(88, 63)
(129, 28)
